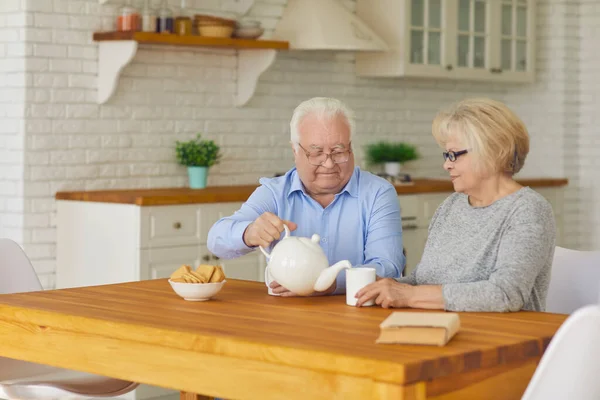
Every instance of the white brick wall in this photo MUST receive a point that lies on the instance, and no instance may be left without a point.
(588, 155)
(169, 94)
(13, 79)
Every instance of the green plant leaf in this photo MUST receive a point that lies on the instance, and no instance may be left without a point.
(382, 152)
(197, 152)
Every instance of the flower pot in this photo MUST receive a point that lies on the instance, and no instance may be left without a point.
(392, 168)
(197, 177)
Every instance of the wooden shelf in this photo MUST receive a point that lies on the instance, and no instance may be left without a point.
(117, 49)
(198, 41)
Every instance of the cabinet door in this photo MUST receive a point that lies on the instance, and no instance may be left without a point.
(426, 38)
(250, 267)
(515, 45)
(413, 240)
(161, 262)
(472, 28)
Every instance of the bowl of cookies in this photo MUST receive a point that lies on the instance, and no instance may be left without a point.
(197, 285)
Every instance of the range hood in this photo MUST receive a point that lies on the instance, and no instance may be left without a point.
(325, 25)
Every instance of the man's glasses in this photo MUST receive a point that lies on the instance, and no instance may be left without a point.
(319, 158)
(453, 155)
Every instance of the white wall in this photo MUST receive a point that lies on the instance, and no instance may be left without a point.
(71, 143)
(12, 107)
(588, 156)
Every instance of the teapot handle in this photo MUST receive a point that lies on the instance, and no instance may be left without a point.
(287, 234)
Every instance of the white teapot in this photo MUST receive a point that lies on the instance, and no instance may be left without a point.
(300, 265)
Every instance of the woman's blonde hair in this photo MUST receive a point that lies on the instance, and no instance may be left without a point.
(494, 135)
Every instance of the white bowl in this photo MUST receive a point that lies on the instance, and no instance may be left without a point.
(247, 24)
(196, 291)
(248, 33)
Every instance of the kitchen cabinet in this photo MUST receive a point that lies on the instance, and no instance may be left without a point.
(487, 40)
(104, 243)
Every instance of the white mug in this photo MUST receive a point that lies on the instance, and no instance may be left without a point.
(356, 279)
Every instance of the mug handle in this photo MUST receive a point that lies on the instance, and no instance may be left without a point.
(287, 234)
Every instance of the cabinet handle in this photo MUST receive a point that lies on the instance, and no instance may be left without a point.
(206, 257)
(449, 67)
(215, 257)
(409, 227)
(496, 70)
(177, 225)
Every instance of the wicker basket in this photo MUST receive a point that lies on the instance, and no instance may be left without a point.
(215, 31)
(204, 20)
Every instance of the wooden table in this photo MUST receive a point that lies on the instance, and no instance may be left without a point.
(244, 344)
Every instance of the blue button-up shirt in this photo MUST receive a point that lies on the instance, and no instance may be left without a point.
(362, 224)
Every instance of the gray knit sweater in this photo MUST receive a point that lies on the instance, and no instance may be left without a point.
(494, 258)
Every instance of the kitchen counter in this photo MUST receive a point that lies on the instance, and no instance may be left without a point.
(224, 194)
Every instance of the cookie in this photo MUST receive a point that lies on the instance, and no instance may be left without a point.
(201, 278)
(206, 271)
(218, 275)
(184, 269)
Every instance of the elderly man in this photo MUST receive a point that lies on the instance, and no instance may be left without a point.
(356, 214)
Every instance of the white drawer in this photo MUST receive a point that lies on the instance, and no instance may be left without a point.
(165, 226)
(172, 226)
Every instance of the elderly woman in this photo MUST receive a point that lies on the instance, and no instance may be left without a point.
(490, 244)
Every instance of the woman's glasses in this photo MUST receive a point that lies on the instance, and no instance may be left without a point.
(453, 155)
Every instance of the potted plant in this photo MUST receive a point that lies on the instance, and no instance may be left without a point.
(391, 154)
(198, 156)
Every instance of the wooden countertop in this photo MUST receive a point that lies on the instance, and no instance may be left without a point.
(225, 194)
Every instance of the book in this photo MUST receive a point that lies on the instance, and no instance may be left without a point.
(429, 328)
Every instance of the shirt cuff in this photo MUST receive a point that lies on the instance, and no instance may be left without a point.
(237, 235)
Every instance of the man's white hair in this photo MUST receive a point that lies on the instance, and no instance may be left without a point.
(324, 108)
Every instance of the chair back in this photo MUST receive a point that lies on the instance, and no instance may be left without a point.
(575, 280)
(16, 272)
(569, 367)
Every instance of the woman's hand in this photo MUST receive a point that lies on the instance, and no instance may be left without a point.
(387, 293)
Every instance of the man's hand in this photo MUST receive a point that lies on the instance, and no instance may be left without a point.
(265, 229)
(283, 292)
(387, 293)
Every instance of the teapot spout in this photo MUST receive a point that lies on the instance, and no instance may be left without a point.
(328, 275)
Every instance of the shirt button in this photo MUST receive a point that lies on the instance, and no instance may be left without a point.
(324, 240)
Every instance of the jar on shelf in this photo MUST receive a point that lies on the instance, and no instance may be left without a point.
(164, 22)
(183, 23)
(149, 19)
(128, 20)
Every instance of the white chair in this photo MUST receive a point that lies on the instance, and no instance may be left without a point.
(575, 280)
(28, 381)
(569, 368)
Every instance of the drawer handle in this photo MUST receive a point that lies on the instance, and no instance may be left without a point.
(409, 227)
(215, 257)
(206, 257)
(177, 225)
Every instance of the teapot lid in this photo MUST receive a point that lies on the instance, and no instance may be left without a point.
(312, 243)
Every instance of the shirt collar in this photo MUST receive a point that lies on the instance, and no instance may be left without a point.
(296, 184)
